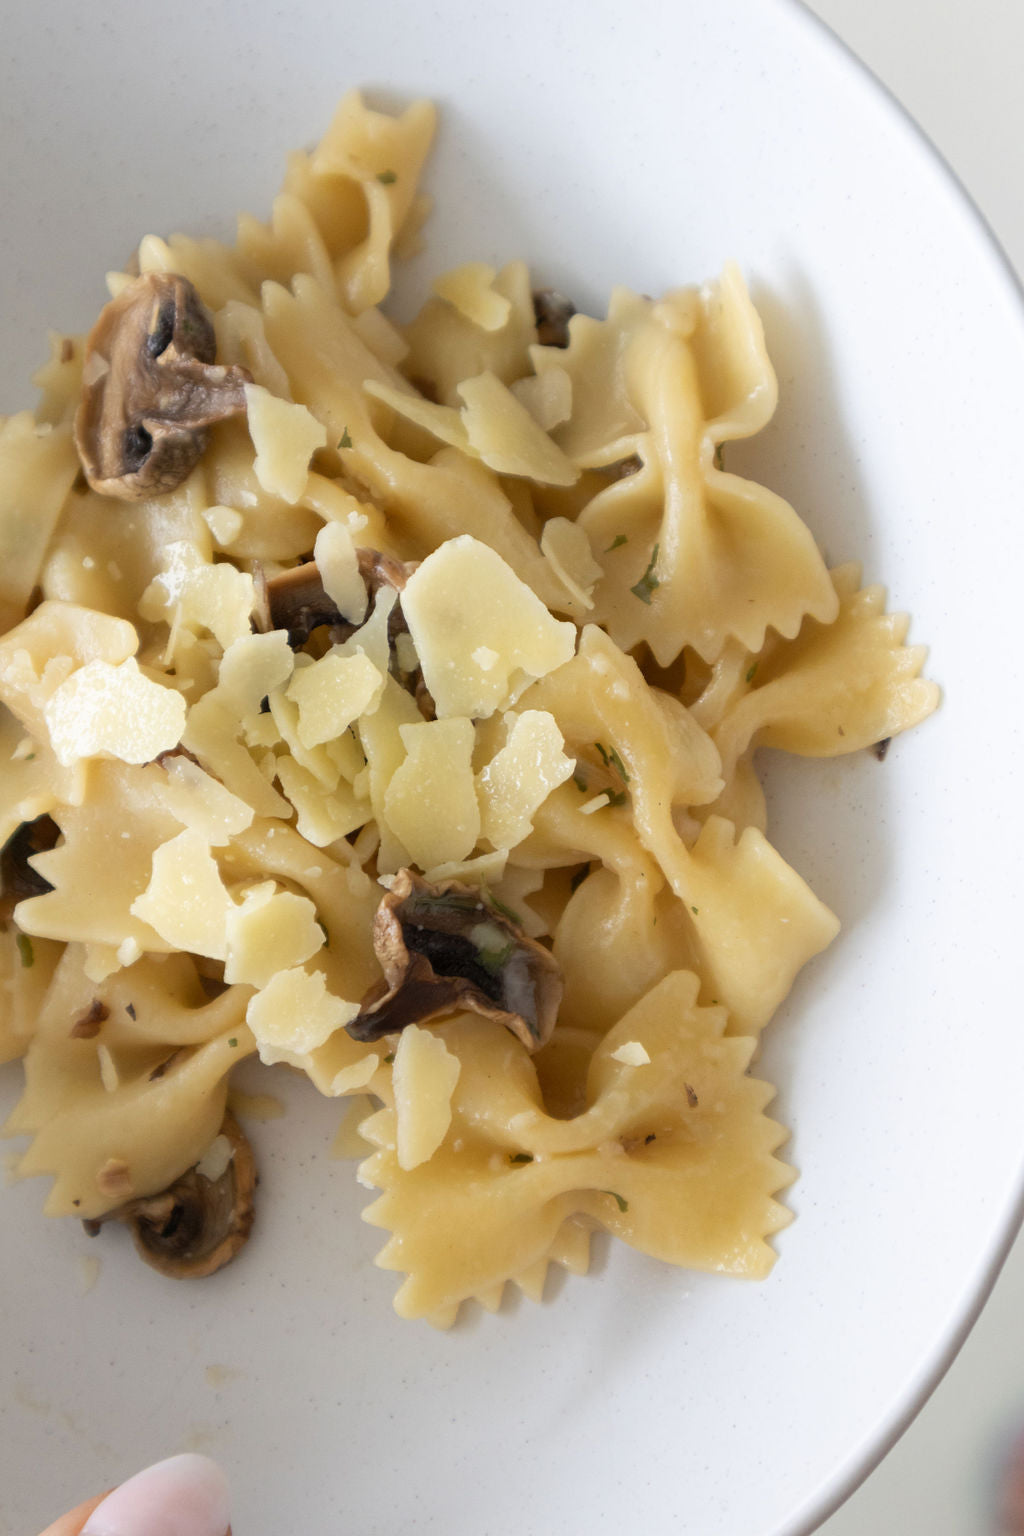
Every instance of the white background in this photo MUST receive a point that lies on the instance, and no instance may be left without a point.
(956, 67)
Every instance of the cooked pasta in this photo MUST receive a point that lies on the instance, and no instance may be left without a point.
(382, 701)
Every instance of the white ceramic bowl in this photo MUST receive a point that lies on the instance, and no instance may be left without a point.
(641, 144)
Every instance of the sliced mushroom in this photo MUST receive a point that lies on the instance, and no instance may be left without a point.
(448, 947)
(296, 601)
(151, 389)
(197, 1225)
(552, 313)
(18, 880)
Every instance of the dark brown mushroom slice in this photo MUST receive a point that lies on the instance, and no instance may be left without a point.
(151, 389)
(197, 1225)
(18, 880)
(552, 313)
(446, 948)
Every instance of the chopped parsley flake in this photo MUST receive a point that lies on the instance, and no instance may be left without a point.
(620, 1201)
(389, 1058)
(648, 582)
(129, 1009)
(387, 178)
(719, 455)
(233, 1041)
(31, 758)
(495, 960)
(616, 796)
(695, 910)
(521, 1157)
(346, 439)
(25, 950)
(617, 543)
(750, 672)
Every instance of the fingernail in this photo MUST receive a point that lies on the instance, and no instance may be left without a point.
(184, 1496)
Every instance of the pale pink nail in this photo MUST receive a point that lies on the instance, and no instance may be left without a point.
(185, 1496)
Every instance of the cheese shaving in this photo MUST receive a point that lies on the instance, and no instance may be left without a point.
(113, 711)
(424, 1078)
(519, 778)
(270, 931)
(566, 548)
(285, 437)
(332, 694)
(186, 902)
(294, 1014)
(431, 803)
(632, 1054)
(507, 438)
(465, 604)
(338, 564)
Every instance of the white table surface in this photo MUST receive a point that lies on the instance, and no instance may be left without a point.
(955, 65)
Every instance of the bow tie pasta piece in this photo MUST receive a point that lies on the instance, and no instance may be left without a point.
(675, 1156)
(836, 687)
(132, 1131)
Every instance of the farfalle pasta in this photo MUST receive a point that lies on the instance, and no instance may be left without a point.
(382, 700)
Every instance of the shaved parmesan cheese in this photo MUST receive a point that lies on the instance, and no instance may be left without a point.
(379, 735)
(519, 778)
(441, 421)
(294, 1014)
(198, 595)
(431, 803)
(216, 1160)
(566, 548)
(285, 437)
(316, 760)
(252, 668)
(322, 817)
(507, 438)
(468, 289)
(224, 523)
(351, 1079)
(371, 639)
(211, 733)
(547, 396)
(333, 693)
(465, 604)
(200, 802)
(61, 633)
(632, 1054)
(424, 1078)
(186, 902)
(338, 564)
(270, 931)
(113, 711)
(598, 803)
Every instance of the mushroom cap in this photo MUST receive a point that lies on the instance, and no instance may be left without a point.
(198, 1224)
(151, 389)
(444, 948)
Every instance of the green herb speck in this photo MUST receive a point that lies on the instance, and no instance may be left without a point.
(750, 672)
(387, 178)
(521, 1157)
(694, 910)
(25, 950)
(389, 1058)
(648, 582)
(616, 796)
(620, 1201)
(617, 543)
(233, 1042)
(346, 439)
(719, 455)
